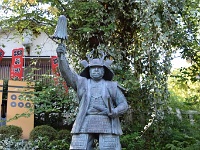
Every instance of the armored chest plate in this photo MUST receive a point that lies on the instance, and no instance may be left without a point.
(96, 101)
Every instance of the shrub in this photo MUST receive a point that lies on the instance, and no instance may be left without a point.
(131, 141)
(64, 135)
(41, 143)
(10, 131)
(15, 144)
(43, 131)
(58, 145)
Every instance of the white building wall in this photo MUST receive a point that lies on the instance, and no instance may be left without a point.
(41, 45)
(8, 42)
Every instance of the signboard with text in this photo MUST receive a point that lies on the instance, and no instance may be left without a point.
(54, 65)
(15, 106)
(16, 69)
(55, 71)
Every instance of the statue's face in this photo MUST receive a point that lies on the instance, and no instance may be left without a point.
(96, 72)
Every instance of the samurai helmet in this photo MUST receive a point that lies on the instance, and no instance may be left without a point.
(108, 73)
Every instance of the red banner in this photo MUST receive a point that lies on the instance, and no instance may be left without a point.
(16, 70)
(1, 54)
(54, 65)
(55, 72)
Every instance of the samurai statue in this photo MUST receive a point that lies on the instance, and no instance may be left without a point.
(101, 102)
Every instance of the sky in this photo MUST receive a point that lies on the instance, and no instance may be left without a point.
(178, 62)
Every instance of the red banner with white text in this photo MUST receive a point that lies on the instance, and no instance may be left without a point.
(16, 69)
(54, 65)
(55, 71)
(1, 54)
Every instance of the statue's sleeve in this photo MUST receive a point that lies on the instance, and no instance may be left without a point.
(67, 73)
(120, 102)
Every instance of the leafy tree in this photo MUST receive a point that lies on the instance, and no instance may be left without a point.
(185, 89)
(191, 31)
(140, 36)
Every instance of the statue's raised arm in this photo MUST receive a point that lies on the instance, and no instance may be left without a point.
(70, 76)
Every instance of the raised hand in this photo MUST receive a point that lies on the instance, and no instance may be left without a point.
(61, 49)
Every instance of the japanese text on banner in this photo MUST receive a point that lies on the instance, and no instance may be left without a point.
(55, 72)
(16, 70)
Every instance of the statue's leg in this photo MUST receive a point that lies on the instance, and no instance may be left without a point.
(109, 142)
(82, 142)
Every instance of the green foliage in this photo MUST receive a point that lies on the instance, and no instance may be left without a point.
(188, 91)
(53, 103)
(182, 134)
(64, 134)
(132, 141)
(191, 32)
(172, 132)
(40, 143)
(45, 143)
(11, 144)
(10, 131)
(52, 99)
(41, 137)
(43, 131)
(59, 145)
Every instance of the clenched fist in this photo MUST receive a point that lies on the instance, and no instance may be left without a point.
(61, 49)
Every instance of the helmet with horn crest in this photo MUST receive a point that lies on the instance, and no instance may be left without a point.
(108, 73)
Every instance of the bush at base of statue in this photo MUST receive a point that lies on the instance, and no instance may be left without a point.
(10, 131)
(43, 131)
